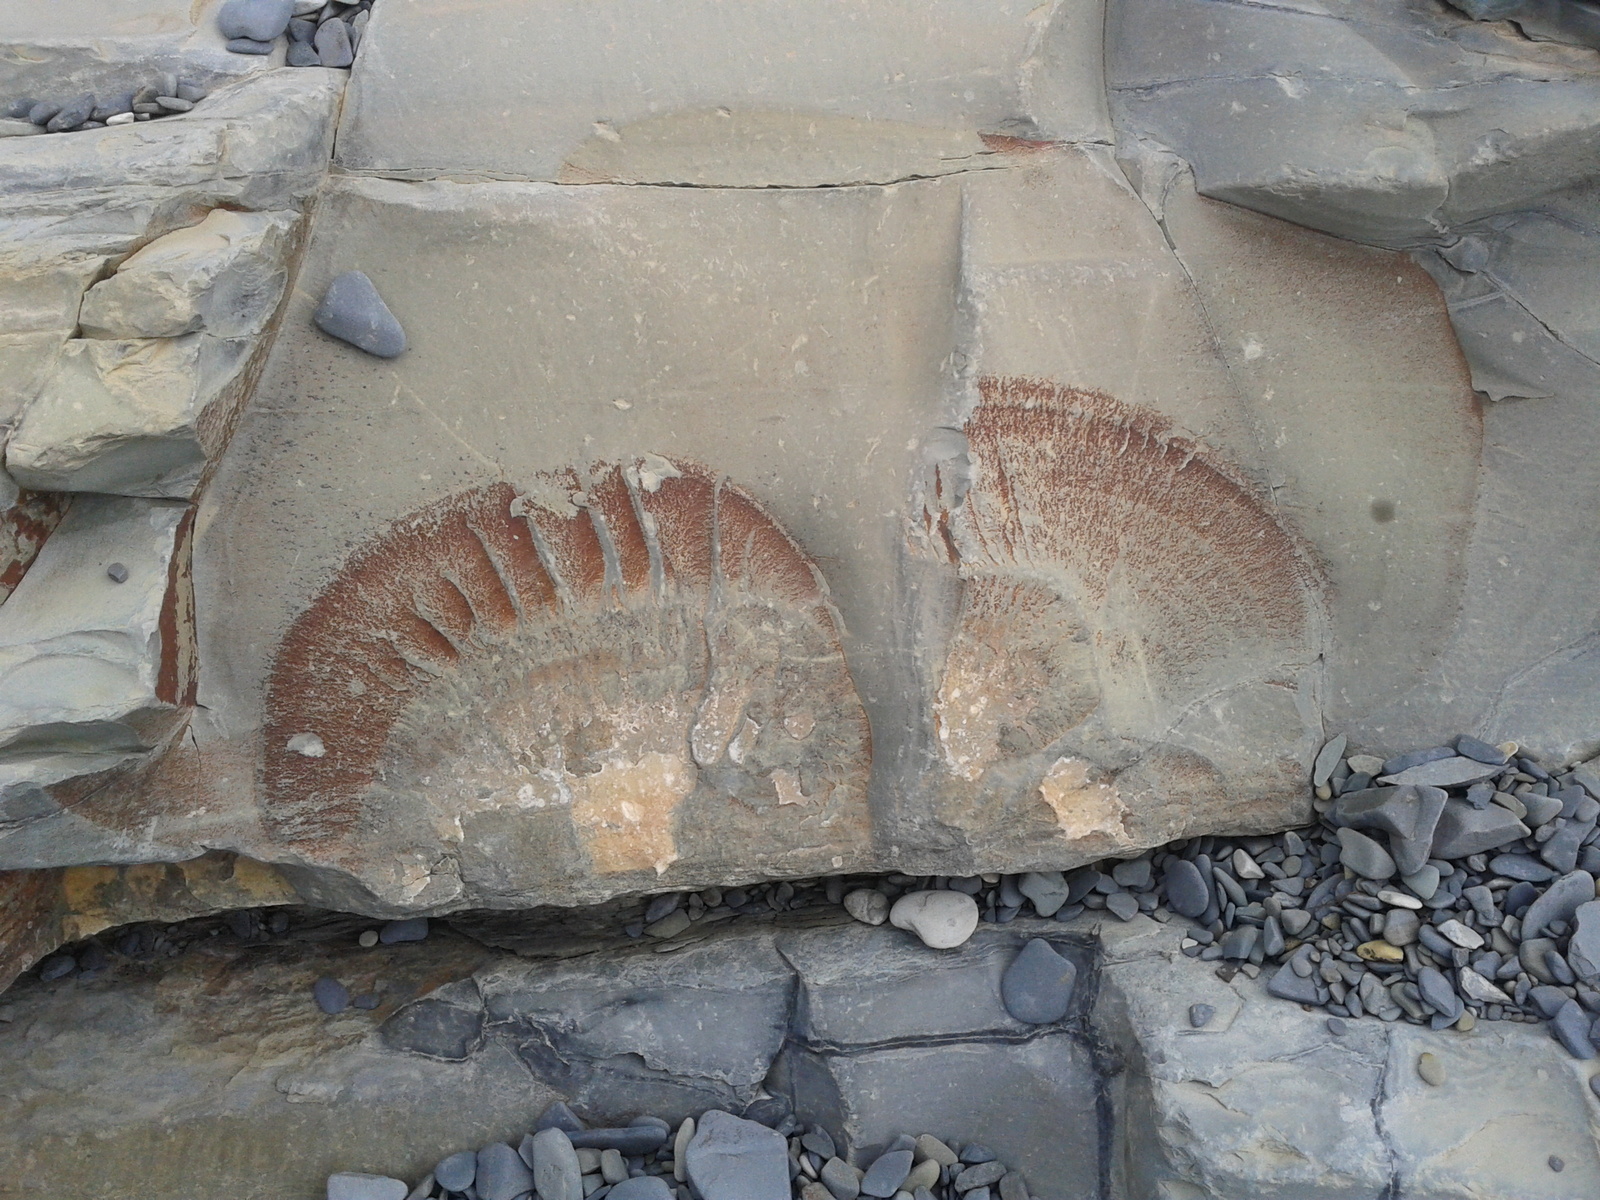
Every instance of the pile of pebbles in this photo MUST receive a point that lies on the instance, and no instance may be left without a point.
(163, 97)
(766, 1154)
(89, 960)
(321, 33)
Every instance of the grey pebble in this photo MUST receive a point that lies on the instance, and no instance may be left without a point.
(1471, 747)
(256, 20)
(247, 46)
(72, 114)
(175, 104)
(502, 1175)
(1571, 1028)
(411, 929)
(1364, 856)
(1046, 889)
(455, 1173)
(302, 54)
(117, 573)
(332, 997)
(1521, 866)
(556, 1173)
(1200, 1015)
(840, 1179)
(1327, 758)
(41, 112)
(333, 44)
(887, 1173)
(1187, 892)
(636, 1139)
(1415, 758)
(979, 1175)
(1557, 1163)
(1464, 830)
(642, 1187)
(1287, 984)
(352, 311)
(1337, 1026)
(1559, 903)
(1037, 986)
(350, 1185)
(1123, 905)
(733, 1159)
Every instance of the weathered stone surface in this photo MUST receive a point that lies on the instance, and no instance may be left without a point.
(1266, 1102)
(686, 101)
(126, 417)
(223, 276)
(27, 519)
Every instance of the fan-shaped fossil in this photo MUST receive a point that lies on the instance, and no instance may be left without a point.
(1111, 569)
(633, 670)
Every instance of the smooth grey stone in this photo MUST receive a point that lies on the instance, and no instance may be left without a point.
(662, 906)
(191, 92)
(840, 1179)
(1286, 984)
(1435, 941)
(1530, 957)
(1200, 1015)
(642, 1187)
(412, 929)
(1046, 889)
(1364, 856)
(73, 114)
(1272, 940)
(1327, 758)
(1409, 815)
(556, 1172)
(1480, 794)
(887, 1173)
(1424, 881)
(1583, 951)
(771, 1111)
(975, 1152)
(456, 1172)
(1337, 1026)
(979, 1175)
(1547, 999)
(733, 1159)
(1037, 986)
(819, 1142)
(637, 1139)
(332, 997)
(175, 104)
(1445, 772)
(1521, 866)
(1463, 830)
(1559, 902)
(110, 106)
(18, 110)
(1415, 758)
(117, 573)
(41, 112)
(302, 55)
(1187, 892)
(502, 1175)
(351, 1185)
(1571, 1027)
(1237, 943)
(1401, 926)
(332, 41)
(248, 46)
(1124, 906)
(1560, 850)
(1294, 921)
(352, 311)
(367, 1002)
(1471, 747)
(1133, 873)
(302, 30)
(258, 20)
(1436, 990)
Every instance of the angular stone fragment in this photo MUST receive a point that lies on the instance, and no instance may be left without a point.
(734, 1159)
(1583, 952)
(1364, 856)
(1571, 1025)
(223, 276)
(89, 666)
(352, 311)
(1442, 773)
(1409, 814)
(1560, 901)
(1464, 830)
(1046, 889)
(127, 417)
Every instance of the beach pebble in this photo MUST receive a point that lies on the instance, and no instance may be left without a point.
(942, 919)
(349, 1185)
(352, 311)
(257, 20)
(1037, 986)
(332, 997)
(867, 905)
(1430, 1069)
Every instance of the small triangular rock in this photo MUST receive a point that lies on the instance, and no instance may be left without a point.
(352, 311)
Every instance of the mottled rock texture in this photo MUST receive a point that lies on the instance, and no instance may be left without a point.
(902, 452)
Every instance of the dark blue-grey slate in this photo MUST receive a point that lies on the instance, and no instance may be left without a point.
(352, 311)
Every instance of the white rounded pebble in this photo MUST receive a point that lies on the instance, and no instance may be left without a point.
(368, 939)
(120, 119)
(942, 920)
(308, 744)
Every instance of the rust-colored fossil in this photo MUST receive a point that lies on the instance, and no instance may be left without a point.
(597, 674)
(1109, 567)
